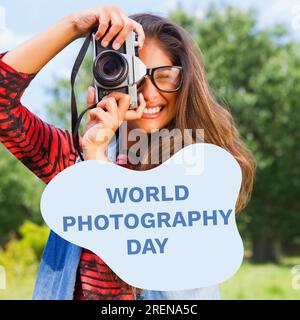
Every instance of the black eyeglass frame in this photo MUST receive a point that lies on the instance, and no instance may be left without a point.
(150, 72)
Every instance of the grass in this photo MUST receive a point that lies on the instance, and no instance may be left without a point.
(265, 281)
(20, 288)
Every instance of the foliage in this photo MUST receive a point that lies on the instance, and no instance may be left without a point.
(59, 110)
(256, 73)
(21, 256)
(20, 193)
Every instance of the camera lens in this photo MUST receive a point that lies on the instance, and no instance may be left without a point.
(110, 68)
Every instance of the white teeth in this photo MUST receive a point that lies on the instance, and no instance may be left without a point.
(152, 110)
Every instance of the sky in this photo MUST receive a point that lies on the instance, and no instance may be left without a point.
(20, 20)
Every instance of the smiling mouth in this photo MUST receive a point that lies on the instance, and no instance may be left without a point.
(150, 113)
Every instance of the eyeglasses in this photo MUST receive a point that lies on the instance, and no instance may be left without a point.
(165, 78)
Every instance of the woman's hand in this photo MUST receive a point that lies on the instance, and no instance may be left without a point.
(32, 55)
(111, 17)
(104, 120)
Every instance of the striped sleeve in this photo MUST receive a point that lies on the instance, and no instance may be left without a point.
(96, 281)
(41, 147)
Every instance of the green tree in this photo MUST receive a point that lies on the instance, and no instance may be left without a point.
(257, 74)
(59, 110)
(20, 193)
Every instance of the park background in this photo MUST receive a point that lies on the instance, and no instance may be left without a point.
(252, 58)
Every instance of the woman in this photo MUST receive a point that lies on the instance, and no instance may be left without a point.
(181, 100)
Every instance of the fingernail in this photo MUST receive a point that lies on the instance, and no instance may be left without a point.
(116, 46)
(104, 43)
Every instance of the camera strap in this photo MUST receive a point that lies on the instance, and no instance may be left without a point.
(75, 120)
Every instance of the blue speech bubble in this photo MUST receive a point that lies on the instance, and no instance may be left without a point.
(149, 226)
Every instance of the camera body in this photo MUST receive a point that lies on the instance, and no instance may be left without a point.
(117, 70)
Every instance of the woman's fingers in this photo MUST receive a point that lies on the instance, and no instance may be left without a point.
(90, 99)
(112, 109)
(91, 96)
(136, 113)
(123, 100)
(117, 25)
(123, 34)
(98, 115)
(129, 26)
(140, 33)
(104, 20)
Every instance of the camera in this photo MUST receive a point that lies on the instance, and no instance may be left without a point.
(117, 70)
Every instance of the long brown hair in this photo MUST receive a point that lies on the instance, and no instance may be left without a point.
(196, 107)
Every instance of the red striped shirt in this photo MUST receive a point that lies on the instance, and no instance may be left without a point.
(46, 151)
(95, 279)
